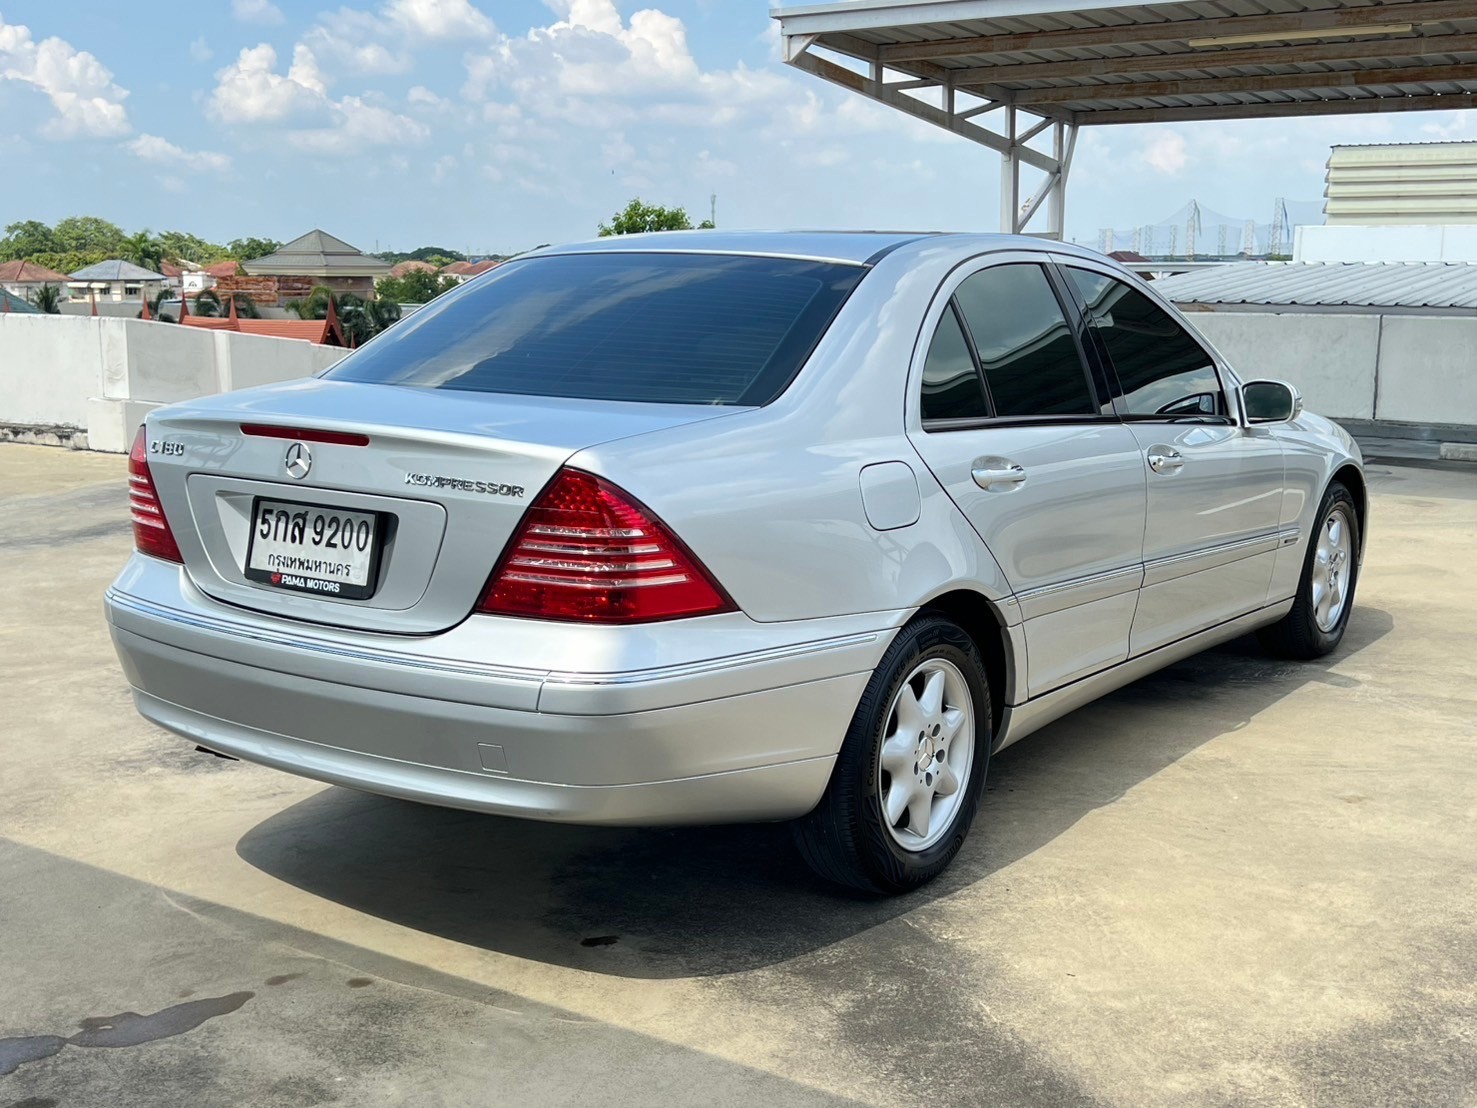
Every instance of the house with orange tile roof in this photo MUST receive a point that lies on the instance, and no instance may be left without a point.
(24, 279)
(323, 332)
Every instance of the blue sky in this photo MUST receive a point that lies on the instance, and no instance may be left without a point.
(500, 125)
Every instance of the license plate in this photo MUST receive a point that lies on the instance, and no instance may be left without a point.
(313, 548)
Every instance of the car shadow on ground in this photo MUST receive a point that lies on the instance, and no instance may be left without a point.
(659, 903)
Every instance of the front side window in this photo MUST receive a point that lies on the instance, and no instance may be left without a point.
(657, 328)
(1164, 372)
(1025, 344)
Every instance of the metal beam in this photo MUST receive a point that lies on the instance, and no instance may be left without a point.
(1181, 61)
(876, 90)
(1282, 82)
(1182, 30)
(1451, 101)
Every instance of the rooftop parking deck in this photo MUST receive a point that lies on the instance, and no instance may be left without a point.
(1236, 882)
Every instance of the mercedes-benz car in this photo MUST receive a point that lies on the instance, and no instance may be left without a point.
(706, 527)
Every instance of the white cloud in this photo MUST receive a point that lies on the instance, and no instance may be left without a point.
(357, 124)
(350, 47)
(152, 148)
(439, 19)
(256, 11)
(1166, 152)
(80, 87)
(200, 50)
(250, 90)
(421, 95)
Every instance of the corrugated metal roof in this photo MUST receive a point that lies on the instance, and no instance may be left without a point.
(1434, 285)
(1095, 61)
(116, 269)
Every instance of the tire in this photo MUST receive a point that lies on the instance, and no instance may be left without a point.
(847, 839)
(1313, 628)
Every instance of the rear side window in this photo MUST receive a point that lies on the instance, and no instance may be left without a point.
(1025, 344)
(951, 384)
(659, 328)
(1164, 372)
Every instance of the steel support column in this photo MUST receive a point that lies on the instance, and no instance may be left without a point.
(1011, 143)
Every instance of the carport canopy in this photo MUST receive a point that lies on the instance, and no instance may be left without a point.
(1021, 76)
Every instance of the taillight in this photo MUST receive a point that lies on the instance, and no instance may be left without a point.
(151, 533)
(587, 551)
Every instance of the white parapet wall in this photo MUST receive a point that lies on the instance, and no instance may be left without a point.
(1403, 368)
(91, 381)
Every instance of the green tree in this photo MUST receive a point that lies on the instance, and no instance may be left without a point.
(361, 319)
(26, 239)
(637, 217)
(417, 287)
(89, 234)
(143, 249)
(245, 250)
(181, 246)
(48, 299)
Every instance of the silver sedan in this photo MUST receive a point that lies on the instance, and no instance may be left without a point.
(717, 526)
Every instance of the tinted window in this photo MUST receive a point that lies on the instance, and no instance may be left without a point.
(1025, 343)
(951, 385)
(1163, 370)
(663, 328)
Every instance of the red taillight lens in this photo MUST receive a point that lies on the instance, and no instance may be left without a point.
(587, 551)
(151, 533)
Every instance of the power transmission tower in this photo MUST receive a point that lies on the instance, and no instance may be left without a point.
(1248, 238)
(1279, 228)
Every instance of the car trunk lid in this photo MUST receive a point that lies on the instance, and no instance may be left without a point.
(445, 476)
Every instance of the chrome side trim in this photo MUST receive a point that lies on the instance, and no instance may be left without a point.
(536, 677)
(1021, 720)
(1159, 570)
(1046, 599)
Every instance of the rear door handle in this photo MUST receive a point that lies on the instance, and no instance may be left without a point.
(997, 474)
(1165, 459)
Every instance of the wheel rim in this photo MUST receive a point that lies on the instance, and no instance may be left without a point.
(927, 753)
(1332, 565)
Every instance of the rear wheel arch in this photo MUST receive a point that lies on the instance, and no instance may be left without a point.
(982, 621)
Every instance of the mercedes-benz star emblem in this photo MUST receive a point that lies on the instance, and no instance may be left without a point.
(299, 460)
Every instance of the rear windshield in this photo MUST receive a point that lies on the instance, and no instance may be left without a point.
(659, 328)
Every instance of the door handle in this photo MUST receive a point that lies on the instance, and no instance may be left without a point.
(990, 472)
(1165, 459)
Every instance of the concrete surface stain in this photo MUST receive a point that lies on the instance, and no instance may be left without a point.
(15, 1053)
(282, 978)
(600, 940)
(359, 982)
(33, 1102)
(120, 1030)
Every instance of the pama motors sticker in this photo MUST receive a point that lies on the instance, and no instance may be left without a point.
(307, 584)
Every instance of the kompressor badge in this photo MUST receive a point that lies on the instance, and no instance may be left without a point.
(462, 484)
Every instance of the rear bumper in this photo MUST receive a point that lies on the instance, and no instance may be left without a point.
(737, 737)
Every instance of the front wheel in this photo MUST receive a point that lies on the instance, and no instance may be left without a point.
(1325, 596)
(910, 771)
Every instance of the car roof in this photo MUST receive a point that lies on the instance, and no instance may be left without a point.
(853, 247)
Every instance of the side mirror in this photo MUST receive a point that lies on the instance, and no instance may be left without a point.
(1270, 401)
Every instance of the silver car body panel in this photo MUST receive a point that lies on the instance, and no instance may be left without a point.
(829, 516)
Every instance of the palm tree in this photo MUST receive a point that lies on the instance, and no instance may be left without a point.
(48, 299)
(143, 249)
(208, 304)
(156, 307)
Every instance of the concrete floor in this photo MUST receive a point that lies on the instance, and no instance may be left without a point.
(1236, 882)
